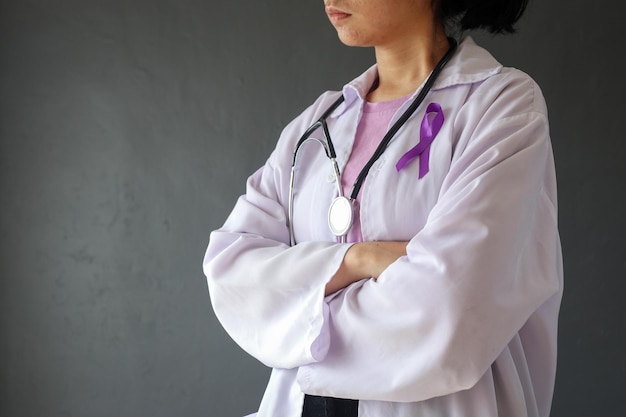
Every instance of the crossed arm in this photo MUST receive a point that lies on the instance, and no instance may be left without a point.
(365, 260)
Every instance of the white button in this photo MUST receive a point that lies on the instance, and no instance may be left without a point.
(331, 177)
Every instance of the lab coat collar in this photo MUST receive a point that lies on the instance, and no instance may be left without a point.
(470, 64)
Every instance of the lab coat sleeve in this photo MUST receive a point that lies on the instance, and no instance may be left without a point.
(267, 295)
(487, 258)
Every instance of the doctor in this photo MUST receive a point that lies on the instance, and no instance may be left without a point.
(443, 300)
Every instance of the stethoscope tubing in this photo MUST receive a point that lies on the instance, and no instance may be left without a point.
(329, 148)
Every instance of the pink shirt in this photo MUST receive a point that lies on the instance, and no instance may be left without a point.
(373, 126)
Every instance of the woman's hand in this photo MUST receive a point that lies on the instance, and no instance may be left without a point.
(365, 260)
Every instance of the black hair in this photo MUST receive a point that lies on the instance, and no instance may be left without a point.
(494, 16)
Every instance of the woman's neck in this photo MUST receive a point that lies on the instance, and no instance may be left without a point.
(403, 66)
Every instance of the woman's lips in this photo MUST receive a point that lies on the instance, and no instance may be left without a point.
(335, 14)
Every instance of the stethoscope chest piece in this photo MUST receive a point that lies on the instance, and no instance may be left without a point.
(340, 216)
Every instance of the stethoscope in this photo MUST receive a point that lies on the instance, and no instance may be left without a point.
(340, 212)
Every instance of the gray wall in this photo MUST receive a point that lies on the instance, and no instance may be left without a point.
(127, 129)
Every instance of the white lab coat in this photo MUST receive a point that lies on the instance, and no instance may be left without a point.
(465, 325)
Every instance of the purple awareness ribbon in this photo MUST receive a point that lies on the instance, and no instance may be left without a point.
(431, 124)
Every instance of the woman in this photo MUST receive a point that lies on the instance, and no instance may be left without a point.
(443, 298)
